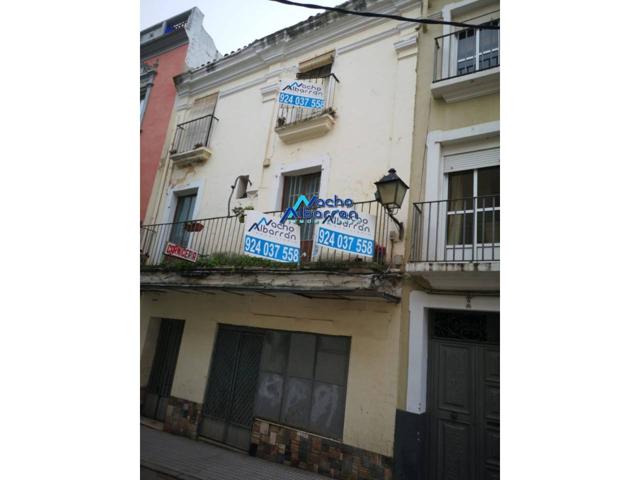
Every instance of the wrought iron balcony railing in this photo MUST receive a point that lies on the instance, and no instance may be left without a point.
(289, 114)
(224, 236)
(453, 231)
(192, 134)
(466, 51)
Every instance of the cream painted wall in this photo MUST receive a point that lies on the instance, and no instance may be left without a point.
(435, 115)
(373, 131)
(374, 328)
(149, 329)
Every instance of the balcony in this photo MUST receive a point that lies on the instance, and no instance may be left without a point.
(467, 64)
(190, 144)
(295, 124)
(221, 264)
(456, 244)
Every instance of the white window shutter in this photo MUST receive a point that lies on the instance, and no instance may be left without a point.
(203, 106)
(470, 160)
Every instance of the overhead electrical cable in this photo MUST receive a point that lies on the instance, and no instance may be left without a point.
(384, 15)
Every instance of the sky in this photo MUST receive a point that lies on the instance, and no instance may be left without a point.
(232, 23)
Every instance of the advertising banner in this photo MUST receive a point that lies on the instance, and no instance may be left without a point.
(351, 235)
(266, 237)
(299, 93)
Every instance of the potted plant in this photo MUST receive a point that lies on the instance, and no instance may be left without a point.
(193, 227)
(240, 212)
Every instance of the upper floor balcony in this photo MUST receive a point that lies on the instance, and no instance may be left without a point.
(215, 246)
(456, 243)
(296, 122)
(191, 141)
(467, 63)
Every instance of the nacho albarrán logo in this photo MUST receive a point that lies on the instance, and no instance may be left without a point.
(306, 210)
(269, 227)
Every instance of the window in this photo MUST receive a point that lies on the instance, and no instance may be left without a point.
(478, 49)
(303, 380)
(316, 67)
(243, 184)
(318, 72)
(294, 186)
(203, 106)
(474, 199)
(184, 212)
(144, 98)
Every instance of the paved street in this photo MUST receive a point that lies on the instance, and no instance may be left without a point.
(164, 456)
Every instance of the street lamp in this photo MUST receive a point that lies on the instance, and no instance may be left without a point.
(390, 192)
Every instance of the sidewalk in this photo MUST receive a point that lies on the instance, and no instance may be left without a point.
(172, 456)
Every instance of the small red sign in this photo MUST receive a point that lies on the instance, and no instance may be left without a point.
(177, 251)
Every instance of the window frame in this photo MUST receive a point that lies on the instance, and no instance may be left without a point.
(475, 210)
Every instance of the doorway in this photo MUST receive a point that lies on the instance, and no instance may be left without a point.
(294, 186)
(463, 414)
(163, 369)
(227, 412)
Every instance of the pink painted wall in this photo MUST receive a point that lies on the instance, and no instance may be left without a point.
(155, 123)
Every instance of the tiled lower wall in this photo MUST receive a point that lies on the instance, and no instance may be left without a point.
(182, 417)
(318, 454)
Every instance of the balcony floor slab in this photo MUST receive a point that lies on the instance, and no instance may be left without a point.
(310, 284)
(463, 277)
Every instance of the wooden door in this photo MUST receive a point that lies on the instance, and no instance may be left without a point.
(463, 407)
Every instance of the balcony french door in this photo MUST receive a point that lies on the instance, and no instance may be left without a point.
(184, 212)
(477, 49)
(473, 216)
(294, 186)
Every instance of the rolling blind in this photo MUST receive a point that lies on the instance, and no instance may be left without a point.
(470, 160)
(203, 106)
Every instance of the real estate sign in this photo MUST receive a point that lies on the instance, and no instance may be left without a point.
(299, 93)
(351, 235)
(266, 237)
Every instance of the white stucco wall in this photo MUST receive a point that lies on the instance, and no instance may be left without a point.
(373, 131)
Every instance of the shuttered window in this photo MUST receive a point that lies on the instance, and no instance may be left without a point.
(203, 106)
(471, 160)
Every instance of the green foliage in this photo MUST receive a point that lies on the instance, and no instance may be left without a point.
(224, 261)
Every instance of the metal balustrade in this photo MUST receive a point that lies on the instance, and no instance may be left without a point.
(192, 134)
(466, 51)
(290, 114)
(459, 230)
(224, 236)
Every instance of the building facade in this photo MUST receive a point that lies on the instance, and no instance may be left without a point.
(166, 50)
(381, 366)
(453, 268)
(297, 365)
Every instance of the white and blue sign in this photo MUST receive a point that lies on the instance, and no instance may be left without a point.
(351, 235)
(303, 94)
(265, 237)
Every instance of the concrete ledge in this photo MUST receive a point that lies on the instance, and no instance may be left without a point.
(476, 84)
(319, 285)
(306, 129)
(463, 277)
(200, 154)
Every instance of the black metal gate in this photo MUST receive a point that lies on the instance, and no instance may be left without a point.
(464, 396)
(227, 412)
(165, 358)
